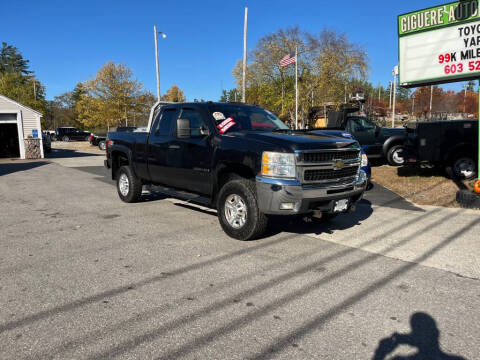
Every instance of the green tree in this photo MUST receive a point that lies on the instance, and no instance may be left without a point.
(11, 61)
(174, 94)
(471, 86)
(24, 89)
(232, 95)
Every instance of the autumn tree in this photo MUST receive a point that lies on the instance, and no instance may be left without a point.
(328, 64)
(110, 98)
(174, 94)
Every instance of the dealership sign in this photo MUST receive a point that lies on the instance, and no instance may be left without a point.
(440, 44)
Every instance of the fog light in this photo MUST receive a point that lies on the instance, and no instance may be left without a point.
(287, 206)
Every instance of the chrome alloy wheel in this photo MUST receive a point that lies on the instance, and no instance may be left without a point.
(235, 211)
(123, 184)
(397, 156)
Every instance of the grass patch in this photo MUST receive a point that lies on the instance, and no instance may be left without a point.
(420, 186)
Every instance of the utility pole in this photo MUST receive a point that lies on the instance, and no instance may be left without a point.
(395, 73)
(431, 100)
(464, 98)
(379, 89)
(156, 62)
(244, 55)
(296, 87)
(413, 104)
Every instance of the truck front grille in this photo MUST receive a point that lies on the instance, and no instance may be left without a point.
(318, 157)
(329, 174)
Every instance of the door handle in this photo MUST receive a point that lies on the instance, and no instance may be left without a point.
(174, 147)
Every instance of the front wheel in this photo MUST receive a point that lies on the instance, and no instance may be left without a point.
(101, 145)
(129, 187)
(66, 139)
(463, 166)
(238, 211)
(395, 155)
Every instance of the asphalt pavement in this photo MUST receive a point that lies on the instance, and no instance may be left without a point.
(85, 276)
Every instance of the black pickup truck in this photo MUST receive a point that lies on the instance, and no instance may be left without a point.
(452, 145)
(243, 159)
(376, 141)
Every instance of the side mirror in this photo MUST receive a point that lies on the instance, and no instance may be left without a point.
(183, 128)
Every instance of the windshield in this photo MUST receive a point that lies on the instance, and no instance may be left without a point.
(247, 118)
(363, 124)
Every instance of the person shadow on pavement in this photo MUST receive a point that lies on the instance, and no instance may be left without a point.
(424, 336)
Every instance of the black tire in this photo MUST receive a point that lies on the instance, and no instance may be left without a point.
(256, 222)
(458, 163)
(87, 138)
(66, 139)
(101, 145)
(393, 155)
(134, 185)
(468, 199)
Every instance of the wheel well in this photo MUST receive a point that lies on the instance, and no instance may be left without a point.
(119, 159)
(233, 171)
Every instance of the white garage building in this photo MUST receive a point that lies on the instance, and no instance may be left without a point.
(20, 131)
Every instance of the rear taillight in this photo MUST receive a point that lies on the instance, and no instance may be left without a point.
(91, 137)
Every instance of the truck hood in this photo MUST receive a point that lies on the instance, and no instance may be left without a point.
(300, 140)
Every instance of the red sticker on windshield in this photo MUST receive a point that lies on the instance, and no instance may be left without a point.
(225, 125)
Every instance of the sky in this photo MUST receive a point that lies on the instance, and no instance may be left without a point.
(67, 42)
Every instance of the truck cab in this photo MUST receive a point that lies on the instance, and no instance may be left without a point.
(244, 160)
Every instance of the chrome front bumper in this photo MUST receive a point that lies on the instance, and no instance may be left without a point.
(275, 196)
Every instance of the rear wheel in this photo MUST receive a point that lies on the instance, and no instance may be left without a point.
(129, 187)
(101, 145)
(395, 155)
(468, 199)
(463, 166)
(238, 211)
(66, 139)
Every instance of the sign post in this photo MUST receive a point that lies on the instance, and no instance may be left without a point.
(439, 45)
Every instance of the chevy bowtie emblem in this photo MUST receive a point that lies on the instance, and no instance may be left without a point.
(339, 164)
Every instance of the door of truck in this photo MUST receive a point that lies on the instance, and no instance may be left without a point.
(190, 158)
(366, 133)
(159, 141)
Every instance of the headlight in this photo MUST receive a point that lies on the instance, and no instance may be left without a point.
(364, 160)
(278, 164)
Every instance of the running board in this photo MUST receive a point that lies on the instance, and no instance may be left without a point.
(181, 195)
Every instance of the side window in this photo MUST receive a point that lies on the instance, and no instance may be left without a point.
(196, 120)
(165, 125)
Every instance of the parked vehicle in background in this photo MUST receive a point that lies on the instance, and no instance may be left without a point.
(452, 145)
(71, 133)
(377, 142)
(51, 134)
(240, 159)
(99, 139)
(47, 142)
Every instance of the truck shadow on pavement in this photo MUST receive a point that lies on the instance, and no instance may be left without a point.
(318, 226)
(67, 153)
(425, 336)
(9, 168)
